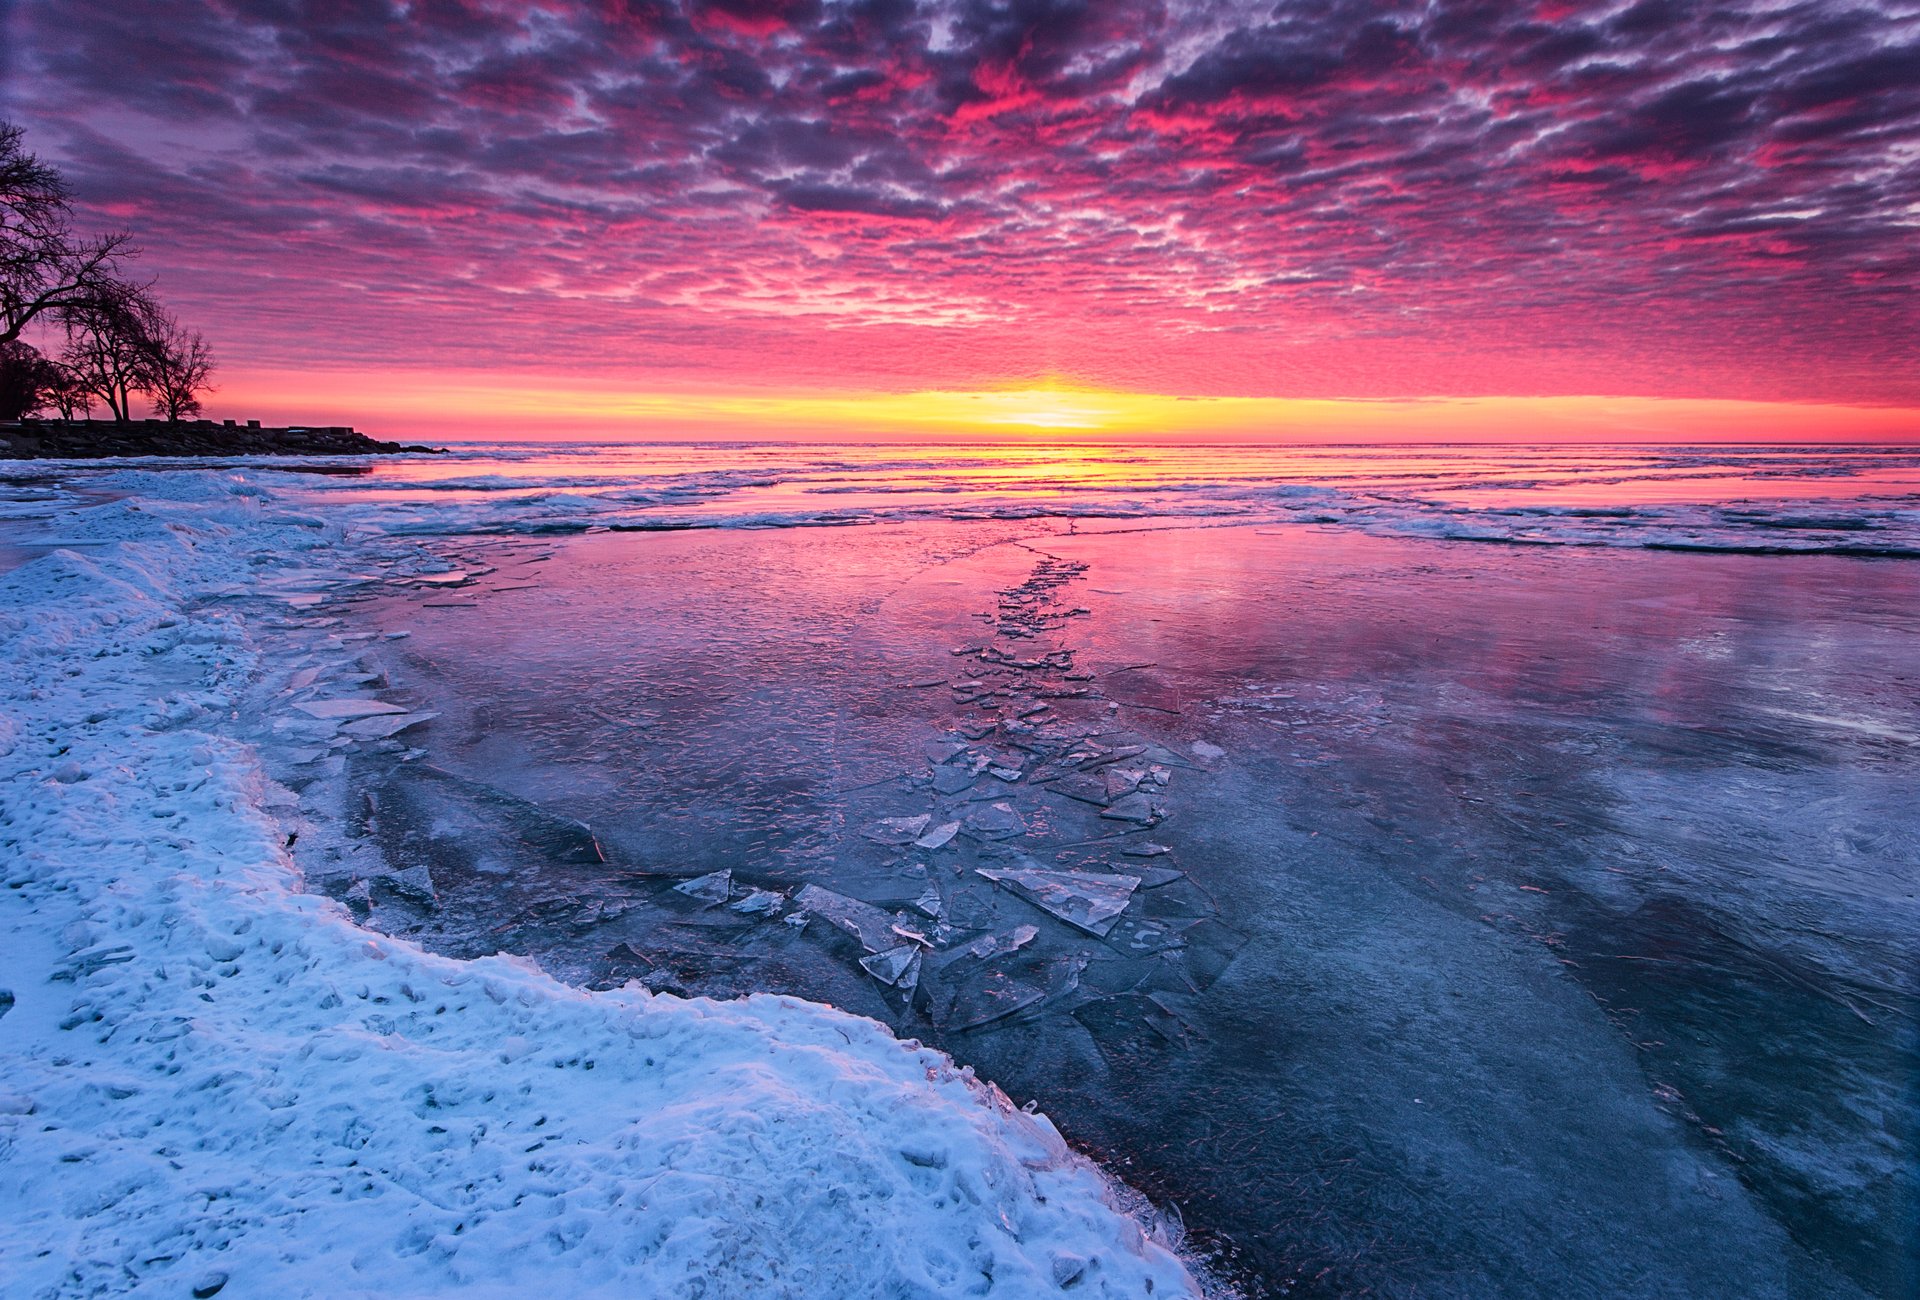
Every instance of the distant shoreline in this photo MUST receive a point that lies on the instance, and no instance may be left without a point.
(105, 439)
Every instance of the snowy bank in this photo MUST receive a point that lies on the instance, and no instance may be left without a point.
(211, 1081)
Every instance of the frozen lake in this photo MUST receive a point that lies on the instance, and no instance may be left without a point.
(1419, 911)
(1530, 918)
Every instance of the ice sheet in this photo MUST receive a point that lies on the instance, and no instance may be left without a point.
(214, 1081)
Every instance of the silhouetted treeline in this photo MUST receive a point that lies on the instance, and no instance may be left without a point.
(110, 339)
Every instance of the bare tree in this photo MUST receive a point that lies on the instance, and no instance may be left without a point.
(66, 394)
(119, 342)
(181, 366)
(44, 266)
(112, 344)
(27, 380)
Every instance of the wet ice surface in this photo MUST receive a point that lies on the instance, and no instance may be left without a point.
(1417, 916)
(1764, 499)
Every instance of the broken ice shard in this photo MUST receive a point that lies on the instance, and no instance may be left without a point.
(982, 993)
(865, 922)
(899, 830)
(1211, 946)
(907, 933)
(995, 822)
(898, 967)
(994, 945)
(381, 725)
(1133, 1025)
(1090, 900)
(938, 836)
(939, 751)
(951, 780)
(1133, 808)
(1137, 935)
(711, 889)
(1086, 789)
(758, 902)
(347, 708)
(984, 997)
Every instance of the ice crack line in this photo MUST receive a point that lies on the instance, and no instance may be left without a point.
(1044, 892)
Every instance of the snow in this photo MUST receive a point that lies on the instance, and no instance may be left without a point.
(210, 1080)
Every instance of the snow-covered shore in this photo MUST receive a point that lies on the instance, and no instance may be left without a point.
(211, 1081)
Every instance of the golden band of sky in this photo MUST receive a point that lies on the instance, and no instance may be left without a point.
(477, 404)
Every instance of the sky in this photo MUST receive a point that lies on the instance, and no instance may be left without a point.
(1371, 220)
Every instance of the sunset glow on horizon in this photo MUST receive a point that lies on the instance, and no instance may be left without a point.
(647, 218)
(450, 405)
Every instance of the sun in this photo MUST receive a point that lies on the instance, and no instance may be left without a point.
(1046, 409)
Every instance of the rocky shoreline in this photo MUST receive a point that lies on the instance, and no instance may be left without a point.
(94, 439)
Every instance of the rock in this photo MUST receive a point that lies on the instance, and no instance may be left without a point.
(209, 1285)
(98, 439)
